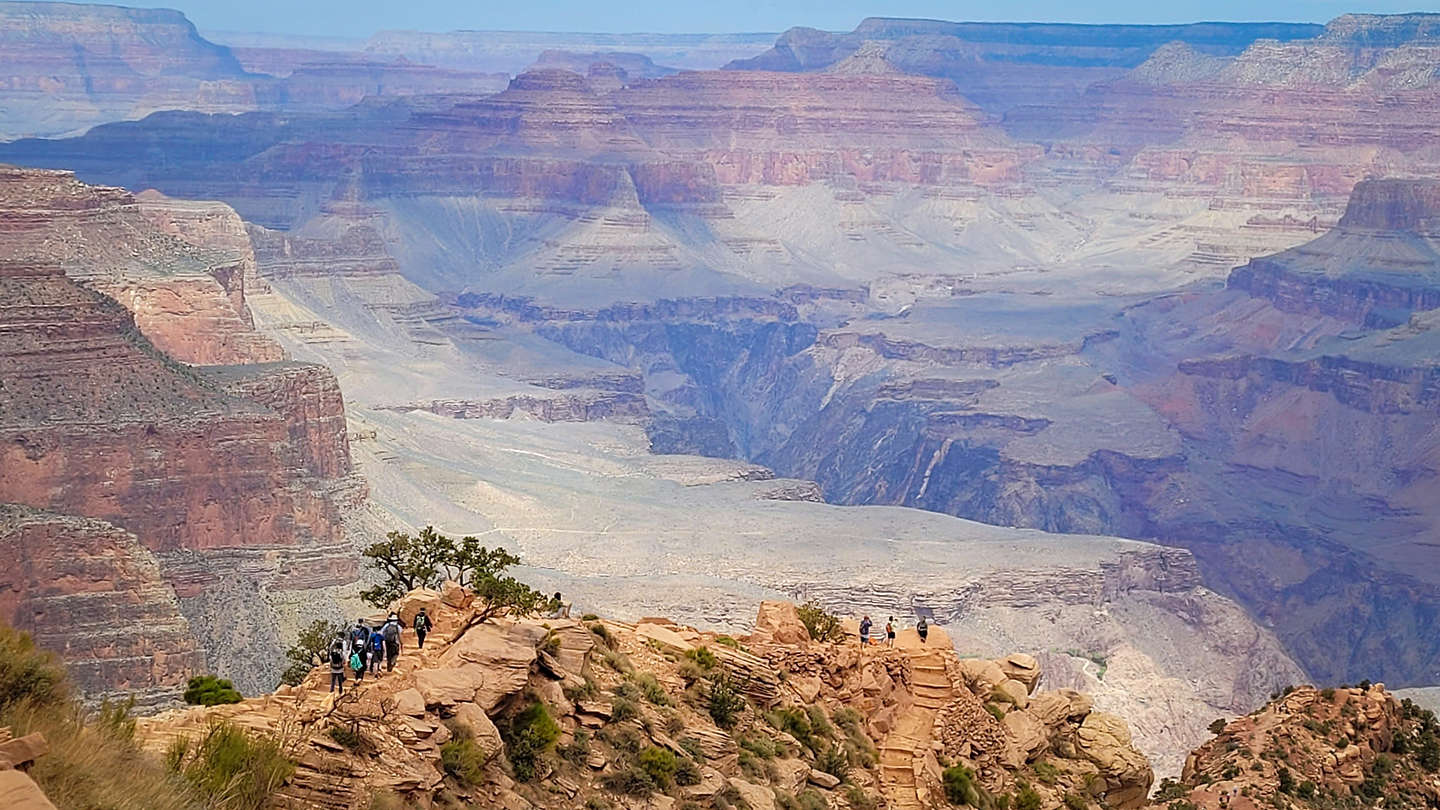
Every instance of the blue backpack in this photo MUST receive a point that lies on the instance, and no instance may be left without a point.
(377, 642)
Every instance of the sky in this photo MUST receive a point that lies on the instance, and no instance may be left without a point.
(358, 18)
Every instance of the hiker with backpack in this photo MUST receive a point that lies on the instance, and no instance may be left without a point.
(391, 631)
(337, 663)
(422, 626)
(376, 646)
(923, 628)
(359, 648)
(865, 626)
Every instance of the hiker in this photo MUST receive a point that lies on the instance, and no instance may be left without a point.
(923, 629)
(337, 663)
(890, 632)
(865, 631)
(422, 626)
(357, 663)
(377, 651)
(358, 642)
(558, 609)
(391, 631)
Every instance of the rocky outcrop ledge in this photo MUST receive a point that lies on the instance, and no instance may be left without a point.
(852, 727)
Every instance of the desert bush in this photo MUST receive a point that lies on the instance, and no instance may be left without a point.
(208, 690)
(28, 674)
(650, 689)
(577, 750)
(821, 625)
(631, 781)
(1074, 801)
(660, 764)
(834, 762)
(858, 799)
(960, 786)
(233, 769)
(1027, 798)
(1045, 772)
(309, 649)
(724, 700)
(1217, 726)
(464, 760)
(527, 735)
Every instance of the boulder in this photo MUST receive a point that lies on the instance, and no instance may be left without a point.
(499, 657)
(664, 636)
(447, 687)
(410, 604)
(1104, 739)
(1023, 668)
(1028, 736)
(806, 687)
(757, 797)
(455, 596)
(1016, 692)
(711, 784)
(487, 736)
(23, 750)
(409, 702)
(18, 792)
(779, 623)
(1055, 707)
(790, 775)
(823, 780)
(981, 676)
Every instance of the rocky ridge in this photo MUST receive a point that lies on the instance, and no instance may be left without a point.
(1314, 747)
(619, 691)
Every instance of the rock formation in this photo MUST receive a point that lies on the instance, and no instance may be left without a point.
(236, 477)
(1310, 747)
(95, 595)
(843, 724)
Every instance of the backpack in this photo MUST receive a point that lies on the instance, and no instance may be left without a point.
(337, 655)
(355, 662)
(392, 633)
(377, 642)
(422, 622)
(358, 636)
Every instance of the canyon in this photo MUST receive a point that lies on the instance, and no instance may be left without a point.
(1110, 343)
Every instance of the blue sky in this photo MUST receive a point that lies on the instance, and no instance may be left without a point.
(362, 17)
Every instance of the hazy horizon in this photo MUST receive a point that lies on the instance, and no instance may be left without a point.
(349, 19)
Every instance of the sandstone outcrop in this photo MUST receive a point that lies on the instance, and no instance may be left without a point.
(1311, 746)
(17, 790)
(95, 595)
(622, 692)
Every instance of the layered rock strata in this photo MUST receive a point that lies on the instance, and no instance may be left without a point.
(95, 595)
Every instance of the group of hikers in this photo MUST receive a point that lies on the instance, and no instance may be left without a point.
(922, 628)
(365, 648)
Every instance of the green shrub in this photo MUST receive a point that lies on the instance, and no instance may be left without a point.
(1217, 726)
(27, 674)
(527, 736)
(762, 747)
(724, 700)
(693, 748)
(603, 634)
(464, 760)
(309, 649)
(577, 751)
(631, 781)
(348, 736)
(703, 658)
(624, 738)
(208, 690)
(795, 722)
(960, 786)
(858, 799)
(1027, 798)
(1170, 790)
(821, 625)
(834, 762)
(622, 709)
(995, 711)
(589, 617)
(1074, 801)
(651, 689)
(1305, 790)
(727, 641)
(660, 764)
(686, 772)
(233, 769)
(1046, 773)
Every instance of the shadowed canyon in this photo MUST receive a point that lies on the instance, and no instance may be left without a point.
(1114, 344)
